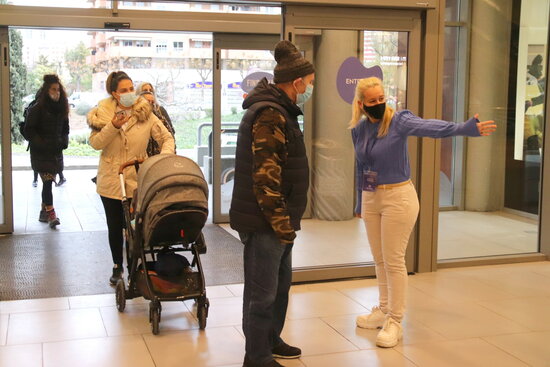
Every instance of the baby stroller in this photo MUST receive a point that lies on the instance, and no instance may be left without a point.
(168, 211)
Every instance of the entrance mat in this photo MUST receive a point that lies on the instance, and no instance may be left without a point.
(64, 264)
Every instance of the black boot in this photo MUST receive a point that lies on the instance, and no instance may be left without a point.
(117, 274)
(43, 216)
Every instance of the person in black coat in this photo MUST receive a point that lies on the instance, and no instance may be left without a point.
(47, 128)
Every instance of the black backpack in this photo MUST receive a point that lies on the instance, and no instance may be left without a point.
(22, 123)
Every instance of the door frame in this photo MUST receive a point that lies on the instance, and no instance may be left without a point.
(423, 91)
(96, 19)
(6, 224)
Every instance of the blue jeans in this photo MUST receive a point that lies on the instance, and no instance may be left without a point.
(267, 278)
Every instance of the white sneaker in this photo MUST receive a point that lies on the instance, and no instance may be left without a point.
(391, 333)
(374, 320)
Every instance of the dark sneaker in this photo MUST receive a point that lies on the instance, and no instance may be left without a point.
(61, 181)
(286, 351)
(43, 216)
(117, 274)
(53, 220)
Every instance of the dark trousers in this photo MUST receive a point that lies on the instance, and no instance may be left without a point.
(267, 278)
(47, 195)
(115, 227)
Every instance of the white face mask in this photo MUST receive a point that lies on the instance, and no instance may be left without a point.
(55, 96)
(128, 99)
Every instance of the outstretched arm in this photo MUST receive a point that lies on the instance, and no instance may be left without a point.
(410, 125)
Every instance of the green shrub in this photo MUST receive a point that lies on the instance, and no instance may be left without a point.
(81, 138)
(81, 150)
(20, 147)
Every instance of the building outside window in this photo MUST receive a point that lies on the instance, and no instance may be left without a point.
(198, 43)
(178, 46)
(161, 47)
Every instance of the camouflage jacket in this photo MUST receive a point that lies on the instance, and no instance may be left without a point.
(269, 156)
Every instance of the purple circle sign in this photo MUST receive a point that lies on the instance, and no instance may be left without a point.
(252, 79)
(349, 74)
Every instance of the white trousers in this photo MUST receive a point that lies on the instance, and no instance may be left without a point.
(389, 215)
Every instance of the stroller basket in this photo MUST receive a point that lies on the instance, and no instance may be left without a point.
(186, 283)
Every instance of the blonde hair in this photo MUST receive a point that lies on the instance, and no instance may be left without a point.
(357, 111)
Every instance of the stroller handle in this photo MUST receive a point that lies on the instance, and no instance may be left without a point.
(133, 162)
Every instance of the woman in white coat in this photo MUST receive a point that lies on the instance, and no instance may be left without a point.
(121, 127)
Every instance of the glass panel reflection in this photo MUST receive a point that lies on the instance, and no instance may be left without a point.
(337, 62)
(389, 51)
(448, 178)
(500, 211)
(241, 70)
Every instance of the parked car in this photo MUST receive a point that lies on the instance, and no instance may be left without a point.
(90, 98)
(28, 99)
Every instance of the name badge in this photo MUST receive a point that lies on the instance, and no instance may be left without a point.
(370, 181)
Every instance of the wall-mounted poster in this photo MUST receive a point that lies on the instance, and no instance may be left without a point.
(530, 106)
(534, 100)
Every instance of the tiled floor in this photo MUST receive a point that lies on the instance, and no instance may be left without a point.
(484, 316)
(489, 316)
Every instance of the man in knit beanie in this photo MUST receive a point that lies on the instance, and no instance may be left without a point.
(269, 198)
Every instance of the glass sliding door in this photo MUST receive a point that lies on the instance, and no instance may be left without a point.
(502, 174)
(177, 64)
(332, 242)
(169, 45)
(241, 62)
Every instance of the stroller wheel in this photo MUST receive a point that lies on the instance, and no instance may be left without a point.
(120, 295)
(202, 312)
(154, 317)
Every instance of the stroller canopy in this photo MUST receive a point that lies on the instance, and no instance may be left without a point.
(166, 182)
(179, 178)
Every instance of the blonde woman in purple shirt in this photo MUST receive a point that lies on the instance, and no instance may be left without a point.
(387, 199)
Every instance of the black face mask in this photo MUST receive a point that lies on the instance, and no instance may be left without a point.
(376, 111)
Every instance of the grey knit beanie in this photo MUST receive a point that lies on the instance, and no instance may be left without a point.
(291, 65)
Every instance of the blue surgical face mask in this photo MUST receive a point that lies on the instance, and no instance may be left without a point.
(302, 98)
(128, 99)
